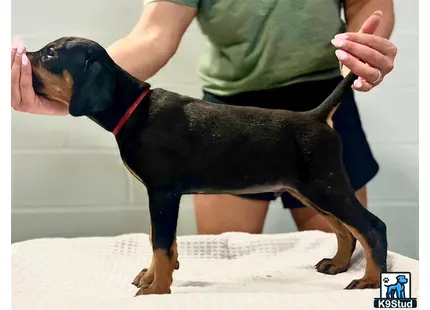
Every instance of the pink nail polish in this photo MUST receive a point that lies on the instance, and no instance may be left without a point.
(341, 36)
(341, 55)
(358, 84)
(24, 59)
(20, 47)
(338, 43)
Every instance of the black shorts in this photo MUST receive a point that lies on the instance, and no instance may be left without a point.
(358, 159)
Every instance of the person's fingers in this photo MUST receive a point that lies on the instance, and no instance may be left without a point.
(372, 23)
(362, 85)
(16, 76)
(357, 67)
(361, 50)
(13, 52)
(384, 46)
(26, 83)
(366, 54)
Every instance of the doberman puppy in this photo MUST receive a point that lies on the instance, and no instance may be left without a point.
(176, 145)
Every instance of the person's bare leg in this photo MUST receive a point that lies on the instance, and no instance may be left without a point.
(216, 214)
(309, 219)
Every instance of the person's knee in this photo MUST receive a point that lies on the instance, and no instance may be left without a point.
(307, 218)
(216, 214)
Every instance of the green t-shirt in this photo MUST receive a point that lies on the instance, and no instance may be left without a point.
(263, 44)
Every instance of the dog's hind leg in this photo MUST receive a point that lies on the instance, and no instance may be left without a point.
(337, 198)
(345, 242)
(345, 248)
(164, 209)
(328, 189)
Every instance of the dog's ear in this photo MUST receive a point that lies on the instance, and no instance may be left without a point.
(94, 88)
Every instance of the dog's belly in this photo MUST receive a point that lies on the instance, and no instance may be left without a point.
(257, 189)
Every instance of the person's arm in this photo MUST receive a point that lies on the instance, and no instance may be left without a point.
(154, 40)
(149, 46)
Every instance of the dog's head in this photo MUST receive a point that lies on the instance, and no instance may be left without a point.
(75, 71)
(402, 279)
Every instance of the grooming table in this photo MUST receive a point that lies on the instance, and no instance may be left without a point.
(228, 271)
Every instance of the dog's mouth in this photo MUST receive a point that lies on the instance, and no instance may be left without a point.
(37, 84)
(57, 87)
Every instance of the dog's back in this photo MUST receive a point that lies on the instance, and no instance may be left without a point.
(213, 147)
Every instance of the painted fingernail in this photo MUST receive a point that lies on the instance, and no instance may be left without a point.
(341, 55)
(341, 36)
(24, 59)
(337, 42)
(20, 47)
(358, 84)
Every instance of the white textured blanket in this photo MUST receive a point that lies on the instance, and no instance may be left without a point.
(230, 271)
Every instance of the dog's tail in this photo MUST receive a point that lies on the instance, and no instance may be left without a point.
(326, 109)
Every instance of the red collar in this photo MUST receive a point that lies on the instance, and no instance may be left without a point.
(129, 112)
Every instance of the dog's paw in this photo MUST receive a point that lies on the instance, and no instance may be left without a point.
(144, 278)
(363, 284)
(152, 289)
(329, 266)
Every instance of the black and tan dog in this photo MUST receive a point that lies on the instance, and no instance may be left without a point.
(177, 145)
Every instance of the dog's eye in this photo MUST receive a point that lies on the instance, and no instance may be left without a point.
(50, 52)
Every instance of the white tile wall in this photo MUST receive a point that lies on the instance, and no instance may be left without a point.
(68, 180)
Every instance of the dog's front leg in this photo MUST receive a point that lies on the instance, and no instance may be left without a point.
(164, 209)
(146, 276)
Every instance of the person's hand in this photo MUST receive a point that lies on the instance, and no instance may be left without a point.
(23, 97)
(369, 56)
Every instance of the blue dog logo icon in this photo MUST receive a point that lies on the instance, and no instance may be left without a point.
(396, 290)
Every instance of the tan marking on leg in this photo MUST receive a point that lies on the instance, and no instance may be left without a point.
(344, 238)
(304, 200)
(345, 247)
(146, 276)
(371, 278)
(150, 234)
(345, 241)
(163, 275)
(174, 251)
